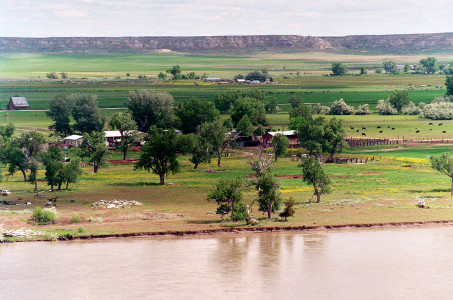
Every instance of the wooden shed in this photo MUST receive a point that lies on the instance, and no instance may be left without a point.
(17, 103)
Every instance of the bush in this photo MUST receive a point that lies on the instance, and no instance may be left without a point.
(438, 111)
(411, 109)
(52, 75)
(363, 110)
(75, 219)
(239, 212)
(289, 210)
(442, 99)
(385, 108)
(45, 215)
(319, 109)
(340, 107)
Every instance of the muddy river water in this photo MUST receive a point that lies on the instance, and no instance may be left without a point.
(384, 263)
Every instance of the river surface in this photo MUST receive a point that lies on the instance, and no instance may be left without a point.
(402, 263)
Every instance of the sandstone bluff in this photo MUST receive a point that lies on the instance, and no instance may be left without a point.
(372, 43)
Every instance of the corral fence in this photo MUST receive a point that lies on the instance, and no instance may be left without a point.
(361, 142)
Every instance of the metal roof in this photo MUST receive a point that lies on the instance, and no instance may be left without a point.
(19, 101)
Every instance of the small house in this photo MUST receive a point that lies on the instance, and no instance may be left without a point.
(74, 140)
(17, 103)
(290, 134)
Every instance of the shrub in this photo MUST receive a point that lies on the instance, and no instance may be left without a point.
(239, 212)
(95, 219)
(363, 110)
(442, 99)
(75, 219)
(411, 109)
(438, 111)
(385, 108)
(340, 107)
(289, 210)
(319, 109)
(81, 230)
(45, 215)
(52, 75)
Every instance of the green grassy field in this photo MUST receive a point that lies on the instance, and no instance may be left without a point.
(383, 190)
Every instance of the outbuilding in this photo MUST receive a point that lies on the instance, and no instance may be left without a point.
(290, 134)
(74, 140)
(17, 103)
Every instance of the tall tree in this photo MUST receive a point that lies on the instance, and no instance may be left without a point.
(245, 126)
(280, 144)
(30, 143)
(217, 137)
(314, 174)
(194, 112)
(227, 193)
(70, 173)
(310, 133)
(86, 113)
(338, 69)
(53, 162)
(251, 107)
(444, 164)
(151, 108)
(269, 197)
(334, 135)
(429, 64)
(399, 99)
(124, 123)
(175, 71)
(449, 85)
(95, 149)
(389, 66)
(159, 153)
(60, 113)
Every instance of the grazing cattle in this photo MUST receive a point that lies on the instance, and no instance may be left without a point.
(363, 133)
(357, 130)
(363, 128)
(430, 124)
(379, 127)
(418, 131)
(444, 131)
(352, 127)
(440, 124)
(388, 126)
(380, 131)
(393, 128)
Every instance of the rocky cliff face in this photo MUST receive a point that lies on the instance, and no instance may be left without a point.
(381, 43)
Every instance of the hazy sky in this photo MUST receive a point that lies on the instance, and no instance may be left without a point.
(45, 18)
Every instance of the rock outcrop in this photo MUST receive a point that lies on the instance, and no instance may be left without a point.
(372, 43)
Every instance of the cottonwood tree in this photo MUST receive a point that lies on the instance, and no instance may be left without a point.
(269, 197)
(60, 113)
(175, 71)
(334, 135)
(124, 123)
(53, 163)
(444, 164)
(251, 107)
(399, 99)
(314, 174)
(95, 150)
(29, 144)
(338, 69)
(151, 108)
(449, 85)
(245, 126)
(227, 193)
(429, 64)
(289, 210)
(197, 147)
(70, 173)
(159, 153)
(216, 137)
(265, 182)
(280, 144)
(194, 112)
(86, 113)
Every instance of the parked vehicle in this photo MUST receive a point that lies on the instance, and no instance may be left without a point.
(6, 192)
